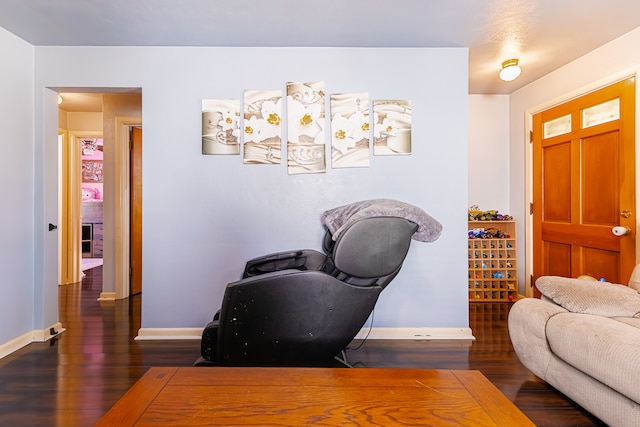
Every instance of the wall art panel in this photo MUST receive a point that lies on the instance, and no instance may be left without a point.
(350, 130)
(305, 128)
(220, 126)
(392, 127)
(262, 126)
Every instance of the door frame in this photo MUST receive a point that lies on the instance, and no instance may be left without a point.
(71, 218)
(529, 113)
(123, 213)
(62, 259)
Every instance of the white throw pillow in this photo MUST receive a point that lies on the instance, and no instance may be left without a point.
(589, 297)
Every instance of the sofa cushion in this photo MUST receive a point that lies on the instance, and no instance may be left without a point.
(602, 348)
(589, 297)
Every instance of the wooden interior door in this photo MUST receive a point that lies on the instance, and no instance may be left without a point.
(584, 185)
(136, 211)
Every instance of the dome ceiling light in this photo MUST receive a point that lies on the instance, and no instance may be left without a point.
(510, 70)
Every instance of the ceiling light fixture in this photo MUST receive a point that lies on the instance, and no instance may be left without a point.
(59, 99)
(510, 70)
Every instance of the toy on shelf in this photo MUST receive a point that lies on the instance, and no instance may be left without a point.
(476, 214)
(487, 233)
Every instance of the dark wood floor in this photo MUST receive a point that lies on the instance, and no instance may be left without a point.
(74, 379)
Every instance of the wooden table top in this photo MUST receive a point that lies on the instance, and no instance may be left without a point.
(313, 396)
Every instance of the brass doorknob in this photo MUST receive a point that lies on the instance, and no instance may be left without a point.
(625, 213)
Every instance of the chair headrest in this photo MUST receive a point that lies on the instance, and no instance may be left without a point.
(340, 218)
(373, 247)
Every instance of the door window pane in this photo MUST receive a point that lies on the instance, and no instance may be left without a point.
(558, 126)
(601, 113)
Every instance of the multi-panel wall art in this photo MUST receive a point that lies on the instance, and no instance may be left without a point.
(263, 119)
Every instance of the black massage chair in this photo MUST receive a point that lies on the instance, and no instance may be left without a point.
(303, 307)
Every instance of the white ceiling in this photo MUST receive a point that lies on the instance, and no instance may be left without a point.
(543, 34)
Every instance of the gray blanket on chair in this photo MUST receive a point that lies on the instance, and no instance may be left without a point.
(339, 218)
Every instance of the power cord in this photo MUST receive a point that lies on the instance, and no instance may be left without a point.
(373, 312)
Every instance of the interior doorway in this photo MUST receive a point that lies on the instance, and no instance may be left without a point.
(136, 210)
(92, 200)
(80, 185)
(113, 112)
(128, 207)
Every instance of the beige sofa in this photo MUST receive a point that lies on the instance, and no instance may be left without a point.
(583, 338)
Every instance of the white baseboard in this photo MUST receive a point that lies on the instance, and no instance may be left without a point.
(373, 334)
(107, 296)
(45, 334)
(37, 335)
(15, 344)
(169, 334)
(416, 334)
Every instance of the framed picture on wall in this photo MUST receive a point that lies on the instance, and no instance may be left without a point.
(92, 171)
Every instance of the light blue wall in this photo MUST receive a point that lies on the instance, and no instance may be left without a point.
(16, 188)
(203, 216)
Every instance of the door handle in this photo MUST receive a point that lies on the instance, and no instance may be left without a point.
(621, 231)
(52, 227)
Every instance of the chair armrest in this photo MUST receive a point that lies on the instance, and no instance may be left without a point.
(306, 259)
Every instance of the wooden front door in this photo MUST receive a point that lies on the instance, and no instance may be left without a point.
(584, 185)
(136, 211)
